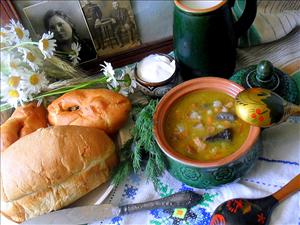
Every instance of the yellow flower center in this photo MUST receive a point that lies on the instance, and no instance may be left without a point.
(30, 57)
(34, 79)
(13, 93)
(2, 34)
(13, 65)
(2, 45)
(45, 44)
(19, 32)
(14, 81)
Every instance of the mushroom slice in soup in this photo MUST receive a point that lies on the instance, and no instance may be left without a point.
(225, 134)
(226, 116)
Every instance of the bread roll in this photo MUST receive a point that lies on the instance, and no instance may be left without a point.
(51, 168)
(100, 108)
(25, 120)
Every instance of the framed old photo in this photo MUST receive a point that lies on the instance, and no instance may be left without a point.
(121, 37)
(66, 20)
(112, 25)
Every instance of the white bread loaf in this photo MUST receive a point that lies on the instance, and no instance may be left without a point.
(51, 168)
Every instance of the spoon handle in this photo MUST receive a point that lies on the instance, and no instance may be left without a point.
(293, 109)
(289, 188)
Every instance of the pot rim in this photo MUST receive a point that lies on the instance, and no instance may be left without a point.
(192, 10)
(203, 83)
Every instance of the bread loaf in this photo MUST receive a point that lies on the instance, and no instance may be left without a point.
(25, 120)
(100, 108)
(51, 168)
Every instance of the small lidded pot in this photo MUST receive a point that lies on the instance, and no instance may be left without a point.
(265, 75)
(156, 74)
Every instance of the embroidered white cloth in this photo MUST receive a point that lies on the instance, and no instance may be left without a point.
(277, 165)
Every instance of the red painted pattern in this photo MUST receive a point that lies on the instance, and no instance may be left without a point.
(261, 219)
(234, 205)
(218, 219)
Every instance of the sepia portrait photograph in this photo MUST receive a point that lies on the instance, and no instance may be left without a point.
(111, 24)
(68, 24)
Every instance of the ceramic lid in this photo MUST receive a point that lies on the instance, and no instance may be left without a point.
(265, 75)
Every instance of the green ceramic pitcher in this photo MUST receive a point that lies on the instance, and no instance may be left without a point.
(205, 36)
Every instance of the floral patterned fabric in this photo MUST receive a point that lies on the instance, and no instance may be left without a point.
(279, 162)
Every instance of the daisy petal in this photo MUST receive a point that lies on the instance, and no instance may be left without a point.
(17, 32)
(46, 45)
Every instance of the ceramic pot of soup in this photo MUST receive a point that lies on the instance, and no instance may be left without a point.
(205, 143)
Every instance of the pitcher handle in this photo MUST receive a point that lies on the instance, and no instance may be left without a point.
(246, 19)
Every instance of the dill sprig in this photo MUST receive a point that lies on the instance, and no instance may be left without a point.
(125, 167)
(142, 148)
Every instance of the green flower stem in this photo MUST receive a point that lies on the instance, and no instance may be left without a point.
(5, 107)
(63, 90)
(63, 54)
(19, 45)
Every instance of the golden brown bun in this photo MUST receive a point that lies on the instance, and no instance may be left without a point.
(100, 108)
(25, 120)
(52, 167)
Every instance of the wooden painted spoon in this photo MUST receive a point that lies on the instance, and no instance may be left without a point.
(263, 108)
(252, 211)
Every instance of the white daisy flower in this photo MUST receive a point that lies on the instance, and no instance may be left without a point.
(130, 72)
(10, 63)
(17, 32)
(32, 59)
(128, 83)
(14, 97)
(11, 81)
(4, 38)
(33, 83)
(46, 45)
(74, 55)
(15, 64)
(109, 72)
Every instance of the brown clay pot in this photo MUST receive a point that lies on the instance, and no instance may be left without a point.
(205, 174)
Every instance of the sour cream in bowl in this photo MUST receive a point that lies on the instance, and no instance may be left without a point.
(156, 74)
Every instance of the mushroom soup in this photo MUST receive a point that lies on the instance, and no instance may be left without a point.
(202, 125)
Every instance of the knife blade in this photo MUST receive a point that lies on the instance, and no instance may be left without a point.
(77, 215)
(88, 214)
